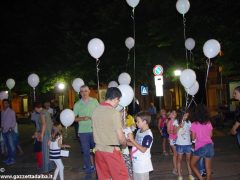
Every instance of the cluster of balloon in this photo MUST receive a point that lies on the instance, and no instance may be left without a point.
(77, 83)
(124, 80)
(182, 7)
(33, 81)
(10, 84)
(191, 85)
(211, 49)
(67, 117)
(96, 48)
(133, 4)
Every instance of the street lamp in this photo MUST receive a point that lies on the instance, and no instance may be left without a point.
(61, 87)
(178, 73)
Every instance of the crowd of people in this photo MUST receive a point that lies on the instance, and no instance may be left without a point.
(115, 144)
(190, 133)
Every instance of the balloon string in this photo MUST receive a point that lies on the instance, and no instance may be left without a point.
(186, 100)
(128, 57)
(124, 115)
(34, 98)
(97, 69)
(65, 134)
(184, 36)
(190, 55)
(134, 52)
(208, 66)
(189, 104)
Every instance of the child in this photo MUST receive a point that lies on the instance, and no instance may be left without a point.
(202, 135)
(38, 148)
(141, 156)
(55, 145)
(162, 126)
(172, 139)
(125, 150)
(183, 143)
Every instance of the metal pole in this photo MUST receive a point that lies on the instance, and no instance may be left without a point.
(160, 103)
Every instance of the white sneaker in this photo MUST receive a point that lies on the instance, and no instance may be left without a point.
(175, 172)
(180, 178)
(190, 177)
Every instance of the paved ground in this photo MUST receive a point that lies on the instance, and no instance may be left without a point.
(226, 163)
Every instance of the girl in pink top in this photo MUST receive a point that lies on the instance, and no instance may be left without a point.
(202, 135)
(172, 139)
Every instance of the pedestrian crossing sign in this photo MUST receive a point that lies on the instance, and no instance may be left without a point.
(144, 90)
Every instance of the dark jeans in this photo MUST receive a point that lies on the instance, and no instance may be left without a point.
(201, 165)
(10, 141)
(87, 143)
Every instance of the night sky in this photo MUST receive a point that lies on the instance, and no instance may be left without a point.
(51, 37)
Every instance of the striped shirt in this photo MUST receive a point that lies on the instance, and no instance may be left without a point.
(55, 150)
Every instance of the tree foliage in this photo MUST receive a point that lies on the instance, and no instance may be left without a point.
(50, 38)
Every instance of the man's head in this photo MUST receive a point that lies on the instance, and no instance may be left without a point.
(47, 105)
(5, 103)
(85, 91)
(113, 95)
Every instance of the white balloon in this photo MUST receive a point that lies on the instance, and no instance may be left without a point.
(33, 80)
(193, 90)
(188, 78)
(112, 84)
(3, 95)
(133, 3)
(211, 48)
(129, 42)
(119, 108)
(77, 83)
(182, 6)
(127, 94)
(67, 117)
(189, 44)
(96, 48)
(10, 83)
(124, 78)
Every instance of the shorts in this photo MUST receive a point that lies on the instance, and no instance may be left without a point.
(172, 142)
(164, 132)
(206, 151)
(183, 149)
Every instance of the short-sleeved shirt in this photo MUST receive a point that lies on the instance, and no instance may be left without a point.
(8, 118)
(183, 134)
(142, 161)
(106, 122)
(203, 134)
(82, 109)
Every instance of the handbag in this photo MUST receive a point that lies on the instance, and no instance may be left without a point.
(64, 153)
